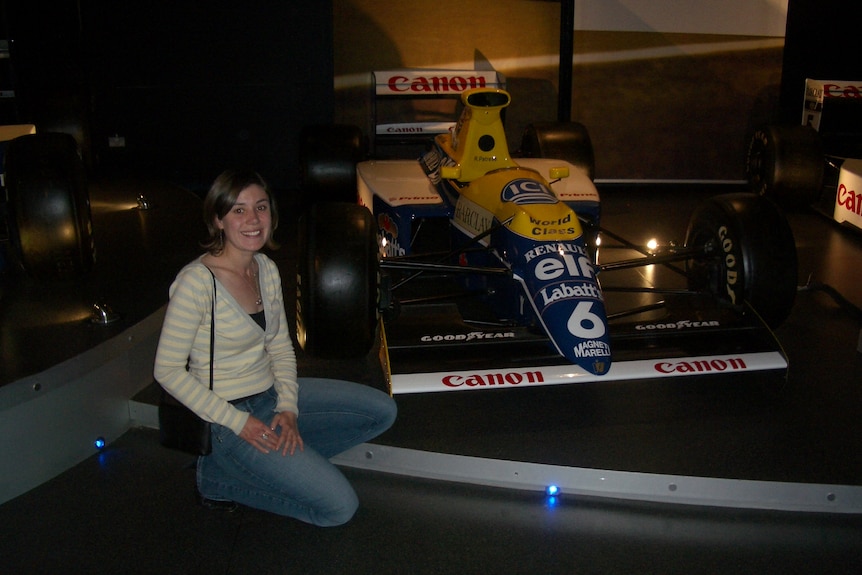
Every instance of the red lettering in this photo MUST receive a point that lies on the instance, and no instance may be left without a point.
(422, 85)
(850, 200)
(838, 91)
(498, 379)
(492, 379)
(458, 83)
(395, 83)
(701, 366)
(434, 84)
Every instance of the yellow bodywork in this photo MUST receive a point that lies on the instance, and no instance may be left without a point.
(478, 142)
(481, 168)
(539, 221)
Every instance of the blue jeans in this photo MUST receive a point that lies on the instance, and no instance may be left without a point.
(333, 417)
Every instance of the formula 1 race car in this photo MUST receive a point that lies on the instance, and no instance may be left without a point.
(817, 162)
(475, 270)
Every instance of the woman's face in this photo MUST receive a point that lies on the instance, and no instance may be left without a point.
(249, 222)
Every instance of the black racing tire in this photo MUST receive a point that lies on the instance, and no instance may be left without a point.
(337, 281)
(750, 254)
(50, 223)
(569, 141)
(786, 163)
(328, 158)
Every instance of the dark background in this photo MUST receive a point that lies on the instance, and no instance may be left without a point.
(821, 41)
(194, 88)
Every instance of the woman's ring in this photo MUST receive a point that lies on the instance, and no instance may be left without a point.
(264, 435)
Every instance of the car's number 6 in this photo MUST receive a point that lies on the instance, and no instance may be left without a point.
(584, 323)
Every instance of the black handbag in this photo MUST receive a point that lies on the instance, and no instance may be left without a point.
(179, 427)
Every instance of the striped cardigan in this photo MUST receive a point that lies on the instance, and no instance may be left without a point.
(248, 360)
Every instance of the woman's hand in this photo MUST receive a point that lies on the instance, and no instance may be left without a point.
(260, 435)
(288, 434)
(280, 435)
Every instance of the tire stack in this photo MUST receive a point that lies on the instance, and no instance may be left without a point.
(48, 207)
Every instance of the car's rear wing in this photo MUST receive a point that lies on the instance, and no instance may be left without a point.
(412, 106)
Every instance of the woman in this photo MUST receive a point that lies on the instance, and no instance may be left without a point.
(274, 432)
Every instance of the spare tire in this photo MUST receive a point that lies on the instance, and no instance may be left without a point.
(49, 208)
(749, 254)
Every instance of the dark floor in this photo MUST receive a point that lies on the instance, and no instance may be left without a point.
(130, 509)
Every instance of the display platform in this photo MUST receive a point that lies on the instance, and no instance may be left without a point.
(713, 441)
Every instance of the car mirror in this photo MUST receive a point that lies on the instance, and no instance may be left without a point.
(559, 173)
(450, 172)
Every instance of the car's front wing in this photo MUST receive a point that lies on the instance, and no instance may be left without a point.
(430, 349)
(428, 382)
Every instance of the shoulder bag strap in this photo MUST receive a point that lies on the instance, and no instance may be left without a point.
(212, 329)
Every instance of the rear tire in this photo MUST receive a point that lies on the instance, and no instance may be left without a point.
(569, 141)
(337, 281)
(785, 163)
(50, 222)
(751, 254)
(328, 158)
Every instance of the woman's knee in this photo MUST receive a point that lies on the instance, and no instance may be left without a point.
(379, 405)
(338, 511)
(388, 411)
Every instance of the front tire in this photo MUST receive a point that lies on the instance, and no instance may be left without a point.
(750, 254)
(337, 286)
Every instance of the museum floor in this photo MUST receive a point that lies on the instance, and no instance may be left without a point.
(131, 508)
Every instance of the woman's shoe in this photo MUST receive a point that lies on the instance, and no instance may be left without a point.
(217, 504)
